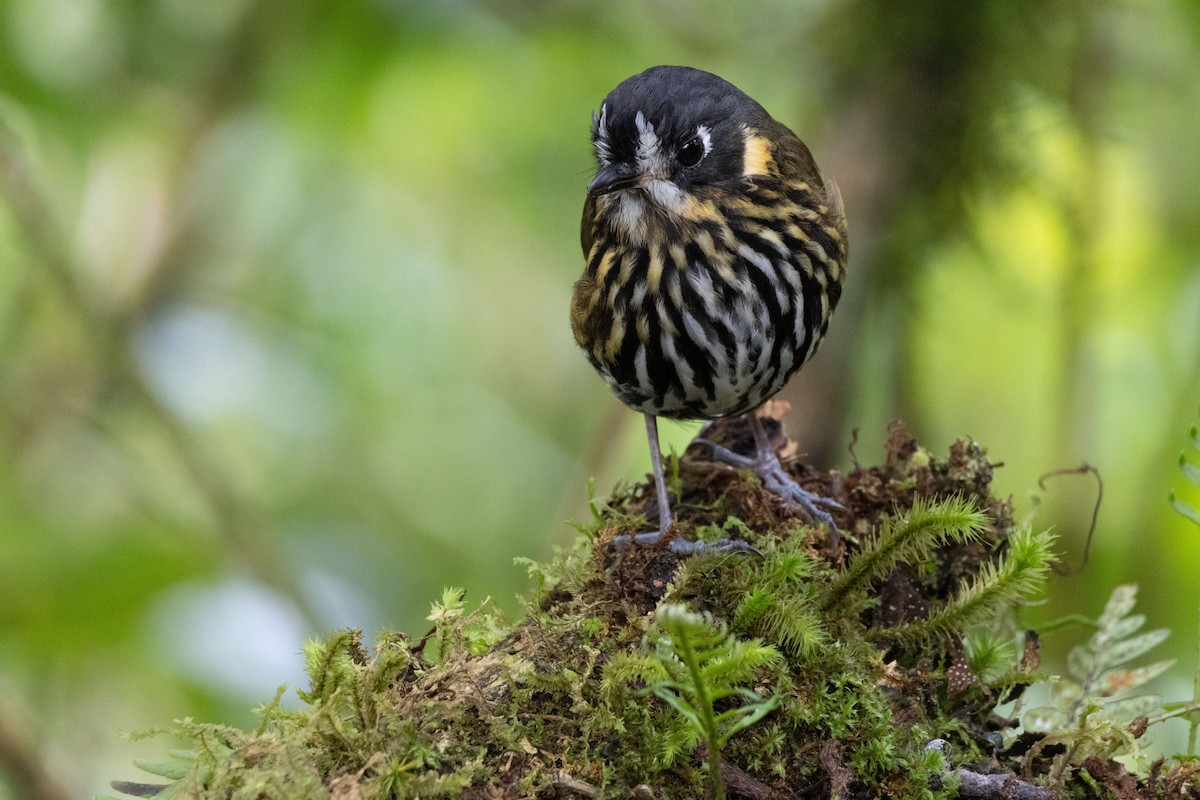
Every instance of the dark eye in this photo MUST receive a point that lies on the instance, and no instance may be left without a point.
(690, 154)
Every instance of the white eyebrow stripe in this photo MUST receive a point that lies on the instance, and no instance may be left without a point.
(644, 126)
(705, 136)
(603, 148)
(648, 147)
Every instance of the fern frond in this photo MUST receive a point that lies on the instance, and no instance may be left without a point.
(1189, 470)
(1191, 473)
(738, 661)
(1189, 512)
(704, 664)
(1184, 509)
(1094, 688)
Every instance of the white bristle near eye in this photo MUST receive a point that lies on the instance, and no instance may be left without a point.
(600, 123)
(649, 155)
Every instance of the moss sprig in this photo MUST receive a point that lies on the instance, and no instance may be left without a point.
(1020, 573)
(909, 537)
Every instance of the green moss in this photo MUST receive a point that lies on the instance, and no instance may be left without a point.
(853, 644)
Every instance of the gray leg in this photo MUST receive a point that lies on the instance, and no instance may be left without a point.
(678, 546)
(660, 483)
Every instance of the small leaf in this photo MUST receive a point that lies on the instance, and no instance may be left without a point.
(1126, 649)
(1120, 680)
(1080, 662)
(1132, 707)
(716, 695)
(151, 790)
(1187, 510)
(1195, 435)
(755, 712)
(1120, 603)
(1043, 720)
(174, 770)
(1065, 694)
(1112, 629)
(1189, 470)
(1126, 627)
(680, 705)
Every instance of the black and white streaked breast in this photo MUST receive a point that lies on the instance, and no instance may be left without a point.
(704, 328)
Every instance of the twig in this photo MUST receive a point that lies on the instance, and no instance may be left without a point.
(1003, 786)
(1082, 469)
(742, 784)
(563, 781)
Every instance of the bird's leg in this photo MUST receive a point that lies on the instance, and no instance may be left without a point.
(766, 465)
(678, 546)
(660, 483)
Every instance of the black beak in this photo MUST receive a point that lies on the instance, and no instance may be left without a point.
(612, 177)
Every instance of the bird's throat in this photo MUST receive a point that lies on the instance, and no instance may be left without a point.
(656, 207)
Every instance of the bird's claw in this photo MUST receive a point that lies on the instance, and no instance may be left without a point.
(779, 482)
(771, 472)
(727, 456)
(686, 547)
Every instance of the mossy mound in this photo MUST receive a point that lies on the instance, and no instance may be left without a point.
(880, 652)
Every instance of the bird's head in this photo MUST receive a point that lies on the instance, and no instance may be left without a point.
(669, 136)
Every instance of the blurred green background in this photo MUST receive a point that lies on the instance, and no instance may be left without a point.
(283, 310)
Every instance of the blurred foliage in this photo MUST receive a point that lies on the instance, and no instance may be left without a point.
(283, 289)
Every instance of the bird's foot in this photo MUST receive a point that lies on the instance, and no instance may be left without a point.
(770, 471)
(685, 547)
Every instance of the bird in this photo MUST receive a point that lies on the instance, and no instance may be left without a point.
(715, 253)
